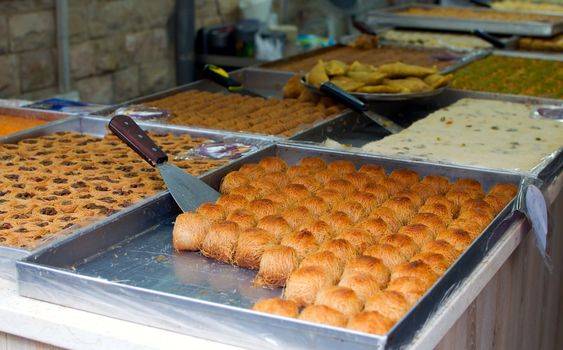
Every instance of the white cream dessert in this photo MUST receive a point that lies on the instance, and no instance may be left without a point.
(483, 133)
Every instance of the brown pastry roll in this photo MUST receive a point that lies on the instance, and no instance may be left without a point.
(221, 241)
(303, 242)
(189, 231)
(233, 180)
(440, 183)
(432, 221)
(360, 239)
(341, 186)
(341, 248)
(437, 262)
(243, 217)
(273, 164)
(370, 322)
(276, 265)
(375, 172)
(342, 166)
(497, 201)
(370, 266)
(403, 207)
(296, 192)
(439, 199)
(252, 171)
(423, 190)
(404, 243)
(363, 284)
(367, 200)
(327, 261)
(247, 191)
(354, 210)
(505, 189)
(419, 233)
(406, 177)
(275, 225)
(472, 227)
(376, 226)
(278, 177)
(308, 181)
(458, 238)
(316, 205)
(250, 247)
(324, 176)
(390, 304)
(390, 255)
(471, 186)
(341, 299)
(320, 230)
(416, 268)
(357, 179)
(443, 248)
(324, 315)
(478, 205)
(379, 191)
(392, 186)
(304, 283)
(298, 216)
(232, 202)
(277, 306)
(297, 170)
(212, 212)
(439, 210)
(331, 197)
(313, 163)
(280, 198)
(388, 216)
(411, 288)
(338, 221)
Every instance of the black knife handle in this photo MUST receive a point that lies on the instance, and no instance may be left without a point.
(343, 97)
(489, 38)
(221, 77)
(130, 133)
(363, 27)
(480, 3)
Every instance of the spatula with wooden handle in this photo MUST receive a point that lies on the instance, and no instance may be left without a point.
(188, 191)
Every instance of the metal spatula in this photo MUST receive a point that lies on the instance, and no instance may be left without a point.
(188, 191)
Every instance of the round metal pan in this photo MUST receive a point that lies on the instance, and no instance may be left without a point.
(384, 97)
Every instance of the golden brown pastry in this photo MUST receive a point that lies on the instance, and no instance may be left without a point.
(247, 191)
(243, 217)
(508, 190)
(327, 261)
(221, 241)
(411, 288)
(363, 284)
(262, 208)
(313, 163)
(232, 202)
(404, 243)
(354, 210)
(375, 172)
(297, 170)
(367, 200)
(317, 75)
(439, 199)
(390, 255)
(273, 164)
(415, 268)
(342, 166)
(252, 171)
(432, 221)
(338, 221)
(341, 248)
(233, 180)
(419, 233)
(346, 83)
(406, 177)
(189, 231)
(212, 212)
(298, 216)
(403, 208)
(437, 262)
(440, 183)
(341, 299)
(388, 216)
(423, 190)
(308, 181)
(439, 210)
(370, 322)
(324, 315)
(390, 304)
(296, 192)
(276, 265)
(399, 69)
(376, 226)
(250, 247)
(458, 238)
(360, 239)
(277, 306)
(304, 283)
(275, 225)
(331, 197)
(392, 186)
(341, 186)
(303, 242)
(319, 229)
(443, 248)
(368, 265)
(471, 186)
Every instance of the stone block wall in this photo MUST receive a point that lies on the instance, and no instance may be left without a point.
(119, 49)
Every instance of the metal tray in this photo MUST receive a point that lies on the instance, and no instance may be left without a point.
(34, 113)
(267, 82)
(128, 269)
(356, 130)
(96, 126)
(389, 16)
(461, 57)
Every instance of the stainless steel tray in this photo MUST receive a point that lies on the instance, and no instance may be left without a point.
(96, 126)
(128, 269)
(267, 82)
(356, 130)
(34, 113)
(389, 16)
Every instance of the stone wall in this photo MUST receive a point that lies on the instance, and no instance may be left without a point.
(119, 49)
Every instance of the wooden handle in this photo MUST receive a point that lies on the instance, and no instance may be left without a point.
(130, 133)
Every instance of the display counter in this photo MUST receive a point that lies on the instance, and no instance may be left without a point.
(510, 301)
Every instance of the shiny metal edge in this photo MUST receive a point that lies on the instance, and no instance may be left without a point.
(34, 113)
(388, 16)
(96, 126)
(530, 54)
(228, 324)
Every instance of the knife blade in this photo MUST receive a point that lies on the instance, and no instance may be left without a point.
(221, 77)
